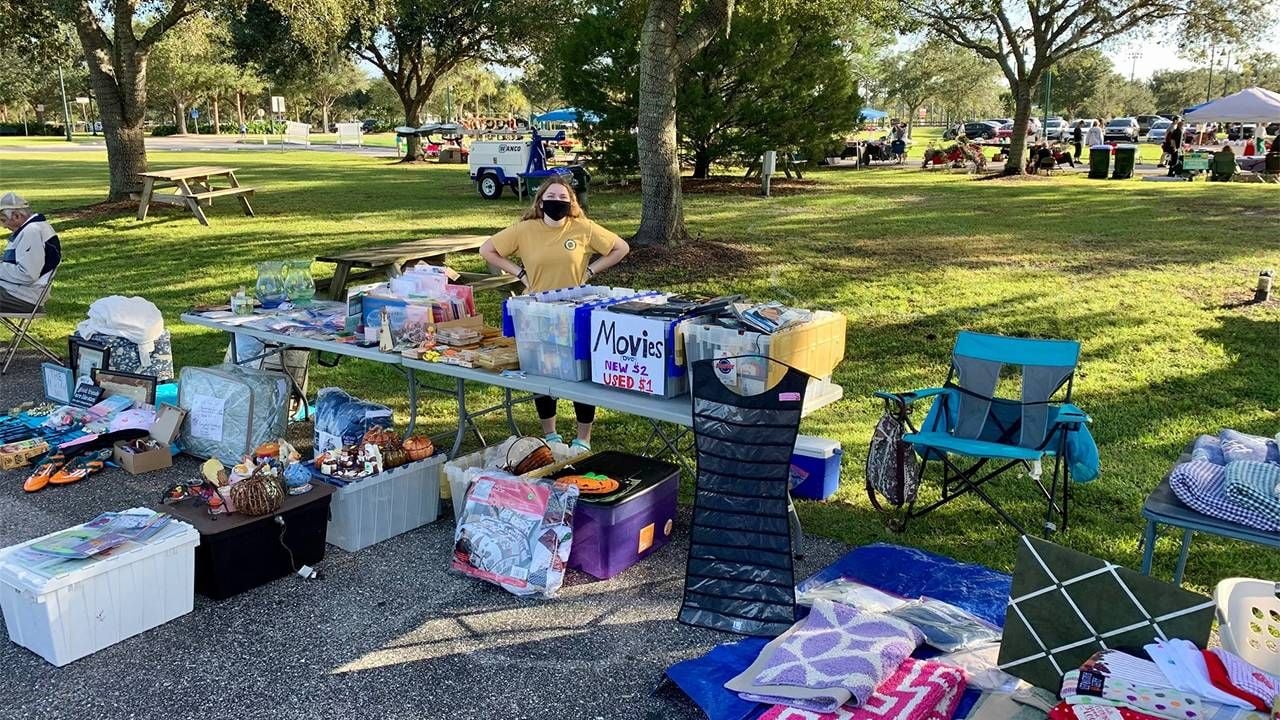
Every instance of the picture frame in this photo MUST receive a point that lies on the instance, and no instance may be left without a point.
(84, 356)
(59, 382)
(141, 389)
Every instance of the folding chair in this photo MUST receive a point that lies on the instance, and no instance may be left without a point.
(20, 324)
(996, 434)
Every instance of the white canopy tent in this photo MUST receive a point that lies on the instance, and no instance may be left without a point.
(1251, 105)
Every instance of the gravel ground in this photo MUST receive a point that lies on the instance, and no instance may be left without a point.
(387, 633)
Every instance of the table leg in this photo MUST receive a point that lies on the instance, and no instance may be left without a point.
(192, 204)
(144, 203)
(338, 285)
(1148, 546)
(511, 418)
(413, 401)
(460, 391)
(1181, 568)
(244, 199)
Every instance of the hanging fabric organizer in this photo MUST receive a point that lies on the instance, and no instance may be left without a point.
(740, 576)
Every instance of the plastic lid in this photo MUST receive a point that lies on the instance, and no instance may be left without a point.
(1099, 147)
(1126, 146)
(813, 446)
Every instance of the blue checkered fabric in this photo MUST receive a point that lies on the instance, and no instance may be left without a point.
(1256, 486)
(1203, 486)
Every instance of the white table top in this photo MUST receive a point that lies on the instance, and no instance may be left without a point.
(235, 324)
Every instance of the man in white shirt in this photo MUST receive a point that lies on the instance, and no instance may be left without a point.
(32, 254)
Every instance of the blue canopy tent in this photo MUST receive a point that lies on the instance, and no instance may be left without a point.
(565, 115)
(873, 114)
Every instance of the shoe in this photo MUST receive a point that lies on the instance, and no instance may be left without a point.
(578, 444)
(553, 438)
(80, 467)
(40, 476)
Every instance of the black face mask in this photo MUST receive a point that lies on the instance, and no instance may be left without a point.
(555, 209)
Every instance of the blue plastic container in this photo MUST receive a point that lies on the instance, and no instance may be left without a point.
(815, 467)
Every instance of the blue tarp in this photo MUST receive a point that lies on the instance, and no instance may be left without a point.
(873, 114)
(903, 571)
(565, 115)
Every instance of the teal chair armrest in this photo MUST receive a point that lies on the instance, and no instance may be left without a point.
(906, 399)
(1068, 413)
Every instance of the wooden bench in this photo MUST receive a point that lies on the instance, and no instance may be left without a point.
(390, 260)
(194, 189)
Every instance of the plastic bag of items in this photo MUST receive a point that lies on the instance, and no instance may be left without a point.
(231, 410)
(516, 533)
(342, 420)
(945, 626)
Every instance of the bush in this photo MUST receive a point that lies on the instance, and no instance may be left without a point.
(32, 128)
(164, 130)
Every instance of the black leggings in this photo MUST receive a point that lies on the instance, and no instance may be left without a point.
(546, 406)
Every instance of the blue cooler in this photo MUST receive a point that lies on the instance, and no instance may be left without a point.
(815, 468)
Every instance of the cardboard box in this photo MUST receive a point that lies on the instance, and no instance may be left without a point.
(164, 431)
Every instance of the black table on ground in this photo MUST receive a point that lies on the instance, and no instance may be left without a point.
(390, 260)
(1162, 507)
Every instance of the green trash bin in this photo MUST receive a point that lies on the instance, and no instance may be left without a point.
(1099, 161)
(1126, 158)
(581, 184)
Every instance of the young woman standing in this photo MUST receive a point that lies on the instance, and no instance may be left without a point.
(555, 244)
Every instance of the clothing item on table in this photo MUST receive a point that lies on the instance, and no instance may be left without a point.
(1237, 446)
(1222, 681)
(1202, 486)
(1255, 486)
(917, 690)
(1092, 688)
(1209, 449)
(1245, 676)
(839, 647)
(1183, 664)
(135, 319)
(1065, 711)
(1128, 668)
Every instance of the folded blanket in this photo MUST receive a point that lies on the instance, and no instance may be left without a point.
(1209, 449)
(1255, 486)
(1202, 486)
(917, 690)
(838, 649)
(1237, 446)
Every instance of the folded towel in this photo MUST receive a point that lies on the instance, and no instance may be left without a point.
(1202, 485)
(1209, 449)
(1255, 486)
(917, 690)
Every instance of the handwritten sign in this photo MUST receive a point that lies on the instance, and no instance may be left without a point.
(205, 416)
(629, 352)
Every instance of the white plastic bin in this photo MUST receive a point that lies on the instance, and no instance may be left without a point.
(368, 511)
(65, 618)
(490, 458)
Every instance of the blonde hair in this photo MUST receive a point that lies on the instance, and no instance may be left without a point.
(535, 210)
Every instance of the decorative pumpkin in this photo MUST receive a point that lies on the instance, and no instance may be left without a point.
(267, 450)
(383, 438)
(419, 447)
(592, 483)
(259, 494)
(540, 457)
(394, 457)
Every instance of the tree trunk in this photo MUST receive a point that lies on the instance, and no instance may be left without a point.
(1021, 117)
(702, 163)
(182, 118)
(325, 115)
(217, 119)
(413, 118)
(661, 208)
(239, 107)
(122, 100)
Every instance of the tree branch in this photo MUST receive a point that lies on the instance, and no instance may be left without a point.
(713, 18)
(177, 13)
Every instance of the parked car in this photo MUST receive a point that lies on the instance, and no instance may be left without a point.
(1146, 121)
(1006, 130)
(1057, 129)
(1123, 129)
(975, 130)
(1158, 130)
(368, 125)
(1273, 129)
(1000, 121)
(1241, 132)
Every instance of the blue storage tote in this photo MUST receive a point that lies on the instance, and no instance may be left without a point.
(815, 467)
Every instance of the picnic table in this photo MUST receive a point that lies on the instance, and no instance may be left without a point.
(390, 260)
(194, 188)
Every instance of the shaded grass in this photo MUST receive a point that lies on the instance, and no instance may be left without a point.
(1139, 273)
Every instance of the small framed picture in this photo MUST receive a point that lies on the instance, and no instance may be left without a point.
(58, 383)
(141, 389)
(84, 357)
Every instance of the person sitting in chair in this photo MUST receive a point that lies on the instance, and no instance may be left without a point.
(30, 257)
(1224, 165)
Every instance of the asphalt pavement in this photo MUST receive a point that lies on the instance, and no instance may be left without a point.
(388, 632)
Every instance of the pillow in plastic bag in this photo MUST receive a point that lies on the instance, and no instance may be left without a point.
(342, 420)
(516, 533)
(945, 626)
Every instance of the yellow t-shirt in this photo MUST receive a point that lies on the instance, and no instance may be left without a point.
(554, 257)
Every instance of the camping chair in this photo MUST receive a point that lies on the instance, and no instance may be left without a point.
(20, 324)
(1223, 167)
(968, 420)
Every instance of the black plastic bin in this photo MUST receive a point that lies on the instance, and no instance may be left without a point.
(1273, 163)
(1126, 159)
(239, 553)
(1099, 161)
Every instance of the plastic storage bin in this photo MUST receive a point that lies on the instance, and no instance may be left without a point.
(815, 467)
(617, 531)
(68, 617)
(815, 348)
(1126, 158)
(377, 508)
(455, 471)
(552, 329)
(239, 553)
(639, 353)
(1099, 161)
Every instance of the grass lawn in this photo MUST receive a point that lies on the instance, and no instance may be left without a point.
(1147, 276)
